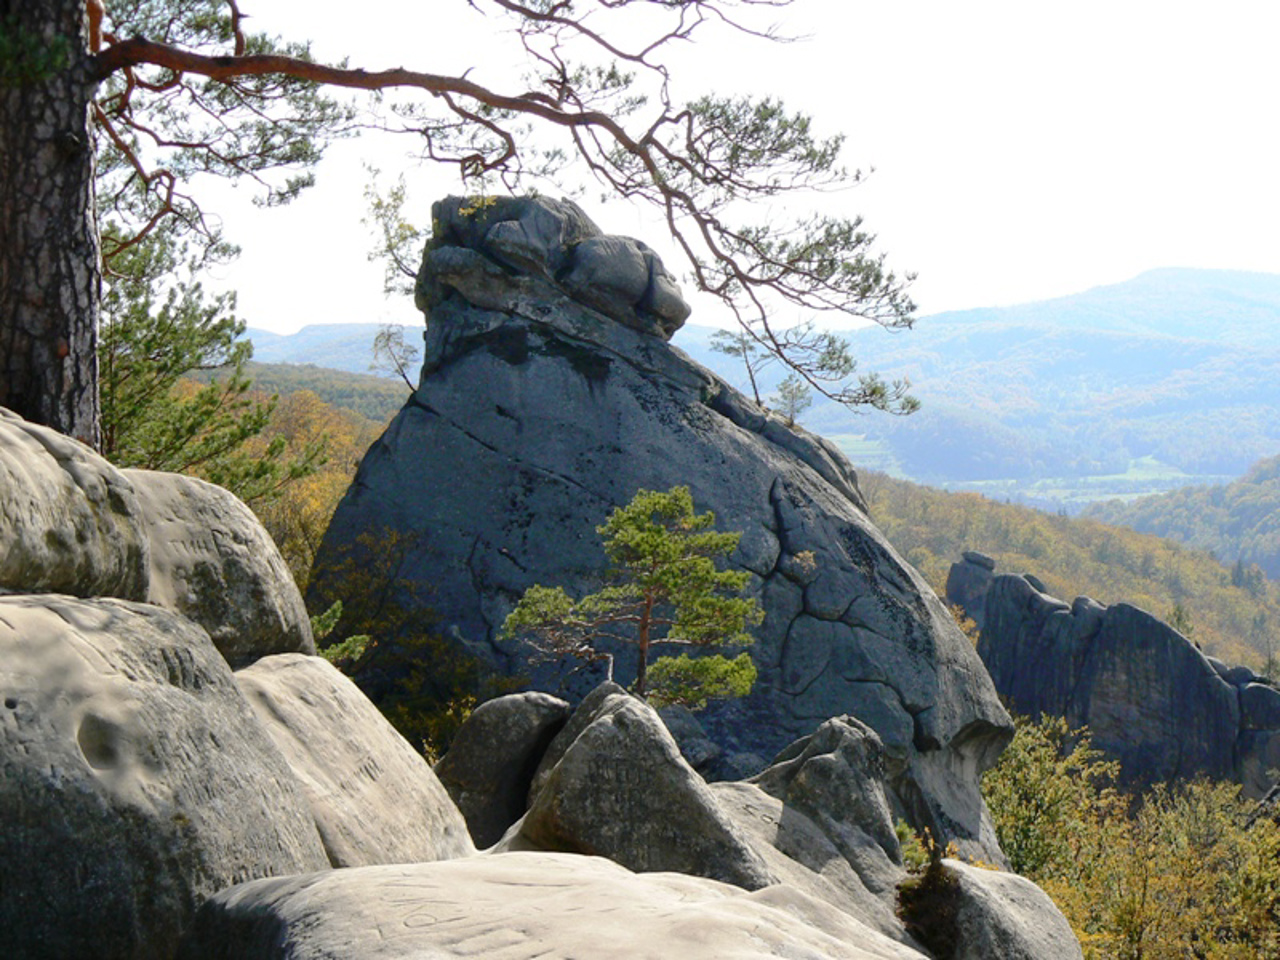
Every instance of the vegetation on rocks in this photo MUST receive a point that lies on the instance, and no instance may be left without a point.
(665, 589)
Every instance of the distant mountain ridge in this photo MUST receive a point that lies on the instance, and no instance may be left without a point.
(1161, 381)
(339, 346)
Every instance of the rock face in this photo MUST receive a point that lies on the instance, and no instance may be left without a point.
(554, 414)
(490, 764)
(374, 798)
(618, 788)
(137, 781)
(212, 561)
(69, 521)
(822, 841)
(522, 906)
(1151, 699)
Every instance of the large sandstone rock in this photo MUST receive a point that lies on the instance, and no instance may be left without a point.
(374, 798)
(72, 523)
(837, 777)
(820, 816)
(1007, 916)
(137, 781)
(491, 762)
(69, 521)
(536, 415)
(522, 906)
(1150, 698)
(620, 789)
(214, 562)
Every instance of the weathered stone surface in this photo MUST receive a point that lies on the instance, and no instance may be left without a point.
(1150, 698)
(620, 789)
(555, 242)
(374, 798)
(801, 853)
(137, 781)
(1238, 676)
(69, 521)
(837, 777)
(968, 583)
(490, 764)
(821, 817)
(555, 415)
(1259, 707)
(1007, 916)
(213, 562)
(522, 906)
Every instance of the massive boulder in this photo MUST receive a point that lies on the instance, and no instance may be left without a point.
(618, 788)
(137, 781)
(214, 562)
(538, 413)
(374, 798)
(69, 521)
(490, 764)
(72, 523)
(1152, 700)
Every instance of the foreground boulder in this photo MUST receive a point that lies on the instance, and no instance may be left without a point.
(555, 414)
(1150, 698)
(1007, 916)
(490, 764)
(374, 798)
(522, 906)
(212, 561)
(69, 521)
(137, 781)
(72, 523)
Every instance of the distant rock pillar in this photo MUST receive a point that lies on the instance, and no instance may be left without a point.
(968, 582)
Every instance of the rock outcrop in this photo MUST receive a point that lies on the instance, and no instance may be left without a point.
(1152, 700)
(1007, 916)
(212, 561)
(69, 521)
(522, 906)
(538, 412)
(137, 781)
(154, 801)
(618, 788)
(373, 797)
(490, 764)
(72, 523)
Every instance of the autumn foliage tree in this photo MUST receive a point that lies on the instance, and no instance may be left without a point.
(183, 87)
(1184, 870)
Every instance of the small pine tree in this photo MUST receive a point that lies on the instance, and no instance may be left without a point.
(666, 589)
(793, 398)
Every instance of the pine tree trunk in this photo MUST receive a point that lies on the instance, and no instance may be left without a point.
(50, 275)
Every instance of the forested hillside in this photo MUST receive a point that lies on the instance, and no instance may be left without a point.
(372, 397)
(1177, 366)
(1239, 522)
(1075, 557)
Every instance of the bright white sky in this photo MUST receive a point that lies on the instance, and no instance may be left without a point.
(1022, 150)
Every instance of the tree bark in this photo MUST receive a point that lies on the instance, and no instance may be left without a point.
(50, 272)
